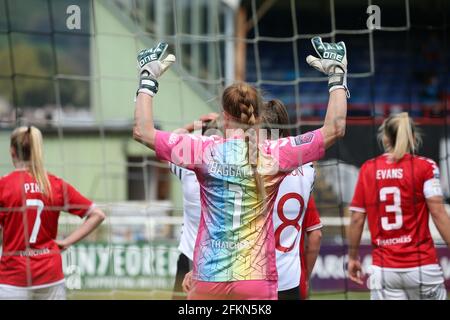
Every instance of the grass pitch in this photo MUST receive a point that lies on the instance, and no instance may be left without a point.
(167, 295)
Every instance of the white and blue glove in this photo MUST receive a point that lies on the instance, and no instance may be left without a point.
(151, 66)
(332, 61)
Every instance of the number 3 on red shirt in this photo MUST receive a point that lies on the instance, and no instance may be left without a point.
(392, 208)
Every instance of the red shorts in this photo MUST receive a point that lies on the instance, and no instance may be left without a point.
(234, 290)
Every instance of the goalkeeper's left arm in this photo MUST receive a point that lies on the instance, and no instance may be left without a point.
(332, 61)
(151, 66)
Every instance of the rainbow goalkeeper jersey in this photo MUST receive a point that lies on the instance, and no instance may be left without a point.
(235, 239)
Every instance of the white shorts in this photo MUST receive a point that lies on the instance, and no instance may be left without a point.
(52, 292)
(421, 283)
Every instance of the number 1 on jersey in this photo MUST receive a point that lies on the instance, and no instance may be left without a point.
(37, 223)
(237, 211)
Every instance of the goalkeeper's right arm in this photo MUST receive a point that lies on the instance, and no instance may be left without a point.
(144, 128)
(151, 66)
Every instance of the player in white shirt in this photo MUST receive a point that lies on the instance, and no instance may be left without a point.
(289, 215)
(191, 219)
(311, 230)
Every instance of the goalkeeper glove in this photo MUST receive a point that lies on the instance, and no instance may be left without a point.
(332, 61)
(151, 67)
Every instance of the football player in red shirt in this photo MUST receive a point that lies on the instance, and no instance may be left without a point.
(310, 240)
(30, 203)
(397, 191)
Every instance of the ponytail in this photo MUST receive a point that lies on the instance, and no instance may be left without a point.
(27, 142)
(251, 140)
(404, 140)
(37, 161)
(401, 134)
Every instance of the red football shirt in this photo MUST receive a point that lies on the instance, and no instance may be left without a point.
(311, 222)
(30, 257)
(393, 195)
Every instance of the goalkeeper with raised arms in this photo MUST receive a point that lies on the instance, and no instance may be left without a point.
(239, 174)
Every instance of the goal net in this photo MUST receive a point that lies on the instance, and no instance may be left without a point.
(69, 68)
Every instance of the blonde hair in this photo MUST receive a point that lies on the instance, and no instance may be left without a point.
(399, 135)
(243, 103)
(27, 144)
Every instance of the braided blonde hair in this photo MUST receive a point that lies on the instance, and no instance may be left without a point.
(243, 102)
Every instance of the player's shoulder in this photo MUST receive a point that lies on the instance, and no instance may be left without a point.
(371, 163)
(55, 180)
(211, 141)
(203, 138)
(53, 177)
(173, 138)
(424, 161)
(12, 176)
(214, 137)
(427, 166)
(4, 180)
(369, 167)
(7, 176)
(270, 144)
